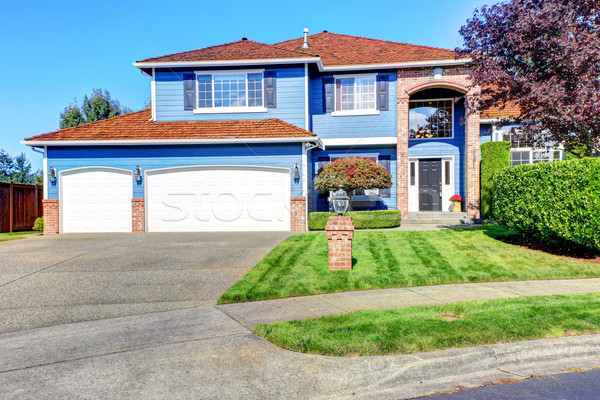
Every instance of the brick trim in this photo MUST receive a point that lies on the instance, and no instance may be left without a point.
(51, 216)
(138, 216)
(298, 214)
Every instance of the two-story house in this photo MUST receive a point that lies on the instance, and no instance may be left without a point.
(237, 132)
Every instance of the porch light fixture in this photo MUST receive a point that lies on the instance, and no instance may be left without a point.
(52, 174)
(296, 172)
(340, 201)
(138, 174)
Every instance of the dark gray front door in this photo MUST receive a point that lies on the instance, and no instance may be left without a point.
(430, 185)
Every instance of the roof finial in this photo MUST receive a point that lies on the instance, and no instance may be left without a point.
(305, 45)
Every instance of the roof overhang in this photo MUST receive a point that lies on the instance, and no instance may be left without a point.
(303, 60)
(162, 142)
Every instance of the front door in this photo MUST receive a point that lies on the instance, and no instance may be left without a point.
(430, 185)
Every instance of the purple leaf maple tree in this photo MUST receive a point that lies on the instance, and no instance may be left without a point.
(542, 56)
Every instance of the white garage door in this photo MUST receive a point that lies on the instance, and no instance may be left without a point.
(218, 198)
(96, 200)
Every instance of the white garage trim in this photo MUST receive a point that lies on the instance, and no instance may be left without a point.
(68, 172)
(282, 190)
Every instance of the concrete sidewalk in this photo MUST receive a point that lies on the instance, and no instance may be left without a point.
(252, 313)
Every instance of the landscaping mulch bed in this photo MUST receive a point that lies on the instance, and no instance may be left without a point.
(567, 249)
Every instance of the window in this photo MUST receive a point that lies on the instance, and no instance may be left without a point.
(430, 119)
(518, 157)
(355, 95)
(446, 172)
(229, 91)
(413, 173)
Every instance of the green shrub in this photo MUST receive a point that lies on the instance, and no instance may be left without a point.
(557, 200)
(38, 225)
(494, 157)
(361, 219)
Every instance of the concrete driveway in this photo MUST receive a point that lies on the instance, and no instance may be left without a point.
(53, 280)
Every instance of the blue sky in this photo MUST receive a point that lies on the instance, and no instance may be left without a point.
(54, 52)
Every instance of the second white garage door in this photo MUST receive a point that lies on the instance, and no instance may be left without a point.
(218, 198)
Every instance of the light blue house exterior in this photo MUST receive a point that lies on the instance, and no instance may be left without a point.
(322, 110)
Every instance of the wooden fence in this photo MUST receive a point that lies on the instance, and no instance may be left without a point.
(20, 205)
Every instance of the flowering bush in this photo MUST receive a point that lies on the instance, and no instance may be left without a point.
(456, 197)
(352, 173)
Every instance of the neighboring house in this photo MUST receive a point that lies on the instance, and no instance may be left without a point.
(237, 133)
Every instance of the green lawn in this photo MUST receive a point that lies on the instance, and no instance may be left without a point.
(298, 266)
(15, 235)
(419, 329)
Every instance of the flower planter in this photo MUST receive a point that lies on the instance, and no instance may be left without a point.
(456, 206)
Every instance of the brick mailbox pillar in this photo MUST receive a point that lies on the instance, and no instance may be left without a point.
(340, 232)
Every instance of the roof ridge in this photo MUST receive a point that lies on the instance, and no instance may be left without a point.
(364, 37)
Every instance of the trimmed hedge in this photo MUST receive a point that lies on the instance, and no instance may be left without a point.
(38, 224)
(362, 219)
(556, 200)
(494, 157)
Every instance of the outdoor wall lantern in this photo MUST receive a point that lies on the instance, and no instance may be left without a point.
(340, 201)
(296, 172)
(52, 174)
(138, 174)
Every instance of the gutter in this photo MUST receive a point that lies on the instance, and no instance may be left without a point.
(161, 142)
(317, 60)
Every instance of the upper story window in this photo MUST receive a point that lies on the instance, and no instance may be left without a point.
(355, 95)
(431, 119)
(229, 91)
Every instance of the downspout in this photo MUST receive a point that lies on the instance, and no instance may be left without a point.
(44, 169)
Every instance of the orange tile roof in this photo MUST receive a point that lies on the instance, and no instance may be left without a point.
(240, 50)
(337, 49)
(333, 48)
(510, 110)
(137, 126)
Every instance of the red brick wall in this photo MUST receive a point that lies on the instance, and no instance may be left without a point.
(51, 216)
(298, 211)
(413, 80)
(340, 232)
(138, 216)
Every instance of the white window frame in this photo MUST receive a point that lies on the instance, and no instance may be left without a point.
(532, 150)
(224, 110)
(365, 111)
(433, 138)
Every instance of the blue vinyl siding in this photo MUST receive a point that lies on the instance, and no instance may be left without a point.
(387, 202)
(327, 126)
(446, 147)
(485, 133)
(290, 99)
(284, 155)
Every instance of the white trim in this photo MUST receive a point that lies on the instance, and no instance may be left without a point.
(45, 172)
(433, 138)
(159, 142)
(153, 95)
(447, 190)
(343, 113)
(391, 140)
(225, 62)
(306, 110)
(304, 178)
(235, 109)
(75, 170)
(362, 111)
(228, 110)
(317, 60)
(212, 166)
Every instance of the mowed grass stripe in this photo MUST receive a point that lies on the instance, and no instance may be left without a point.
(428, 328)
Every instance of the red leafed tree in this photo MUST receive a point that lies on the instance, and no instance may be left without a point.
(544, 56)
(352, 173)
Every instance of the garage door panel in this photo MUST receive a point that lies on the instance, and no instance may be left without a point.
(96, 200)
(218, 199)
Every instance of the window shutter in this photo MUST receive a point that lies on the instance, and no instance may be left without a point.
(189, 91)
(328, 94)
(270, 89)
(385, 162)
(383, 92)
(321, 162)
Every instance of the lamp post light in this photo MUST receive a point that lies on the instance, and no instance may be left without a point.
(340, 201)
